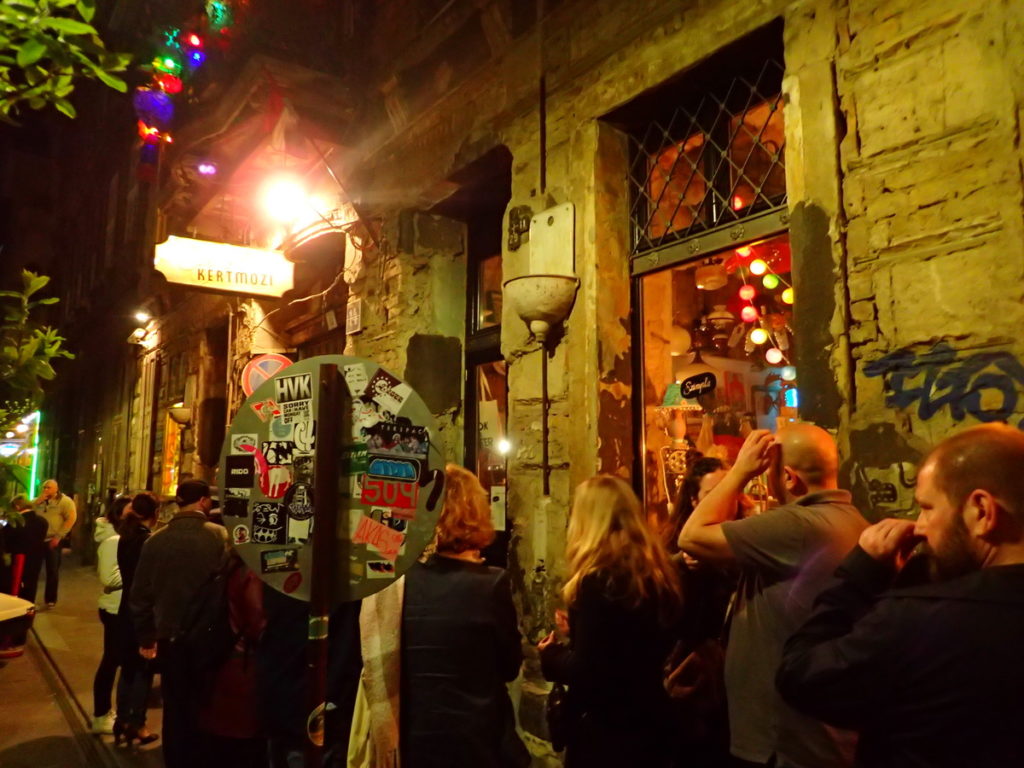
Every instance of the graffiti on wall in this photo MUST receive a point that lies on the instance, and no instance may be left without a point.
(985, 385)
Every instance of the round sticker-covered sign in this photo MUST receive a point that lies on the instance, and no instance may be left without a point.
(390, 478)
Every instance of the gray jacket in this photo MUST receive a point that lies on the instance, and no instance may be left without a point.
(175, 562)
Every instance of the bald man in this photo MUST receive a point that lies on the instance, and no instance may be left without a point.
(931, 675)
(60, 513)
(786, 556)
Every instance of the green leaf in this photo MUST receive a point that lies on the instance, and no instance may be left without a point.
(68, 26)
(87, 9)
(48, 300)
(111, 80)
(30, 52)
(64, 106)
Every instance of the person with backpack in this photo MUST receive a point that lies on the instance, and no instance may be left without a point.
(175, 563)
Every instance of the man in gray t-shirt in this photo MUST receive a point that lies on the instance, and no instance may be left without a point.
(785, 556)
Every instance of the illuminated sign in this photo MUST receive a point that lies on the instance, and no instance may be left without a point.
(222, 267)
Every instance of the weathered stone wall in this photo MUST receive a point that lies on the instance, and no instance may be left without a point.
(904, 176)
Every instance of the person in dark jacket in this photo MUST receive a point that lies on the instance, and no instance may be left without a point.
(460, 644)
(929, 674)
(624, 601)
(175, 562)
(136, 678)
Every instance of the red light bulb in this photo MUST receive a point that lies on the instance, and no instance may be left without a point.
(749, 314)
(747, 292)
(195, 40)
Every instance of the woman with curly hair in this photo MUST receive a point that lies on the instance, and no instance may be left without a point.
(460, 644)
(625, 600)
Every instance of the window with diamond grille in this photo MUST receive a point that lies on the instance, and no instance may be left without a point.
(714, 159)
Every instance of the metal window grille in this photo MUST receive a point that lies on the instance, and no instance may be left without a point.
(711, 162)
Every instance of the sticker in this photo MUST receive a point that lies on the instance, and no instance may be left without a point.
(238, 443)
(364, 415)
(293, 582)
(701, 384)
(304, 435)
(279, 561)
(303, 465)
(398, 440)
(298, 502)
(287, 389)
(498, 507)
(380, 569)
(240, 534)
(279, 430)
(297, 411)
(388, 391)
(237, 493)
(278, 451)
(355, 377)
(266, 409)
(393, 469)
(388, 517)
(354, 459)
(388, 493)
(273, 479)
(241, 471)
(236, 507)
(267, 523)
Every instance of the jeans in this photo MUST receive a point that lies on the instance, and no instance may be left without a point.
(103, 683)
(51, 557)
(133, 685)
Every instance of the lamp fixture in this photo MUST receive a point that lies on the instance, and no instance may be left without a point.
(142, 316)
(180, 414)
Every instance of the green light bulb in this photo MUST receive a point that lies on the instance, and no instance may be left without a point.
(770, 281)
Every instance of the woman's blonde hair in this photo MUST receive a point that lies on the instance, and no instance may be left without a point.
(608, 534)
(465, 521)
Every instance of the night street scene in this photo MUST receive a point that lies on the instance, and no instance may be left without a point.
(511, 384)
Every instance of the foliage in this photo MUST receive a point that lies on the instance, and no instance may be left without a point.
(47, 45)
(27, 349)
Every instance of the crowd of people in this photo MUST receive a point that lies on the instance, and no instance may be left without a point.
(796, 636)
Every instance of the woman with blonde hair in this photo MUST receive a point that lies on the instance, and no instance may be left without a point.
(460, 644)
(625, 599)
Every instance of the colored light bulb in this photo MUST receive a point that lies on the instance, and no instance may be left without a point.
(749, 314)
(759, 335)
(207, 169)
(744, 252)
(169, 84)
(758, 267)
(789, 373)
(770, 281)
(773, 355)
(787, 295)
(747, 292)
(195, 40)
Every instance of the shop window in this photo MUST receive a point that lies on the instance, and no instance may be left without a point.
(717, 157)
(488, 292)
(717, 341)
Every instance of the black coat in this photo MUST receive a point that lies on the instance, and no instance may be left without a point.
(930, 675)
(460, 645)
(614, 669)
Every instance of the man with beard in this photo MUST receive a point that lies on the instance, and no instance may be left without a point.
(929, 674)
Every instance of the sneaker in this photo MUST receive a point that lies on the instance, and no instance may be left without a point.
(103, 724)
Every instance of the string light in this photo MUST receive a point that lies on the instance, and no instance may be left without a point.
(744, 252)
(747, 292)
(773, 356)
(787, 296)
(770, 281)
(759, 335)
(207, 169)
(789, 373)
(195, 40)
(758, 267)
(748, 313)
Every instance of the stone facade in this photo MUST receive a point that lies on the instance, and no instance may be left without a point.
(904, 177)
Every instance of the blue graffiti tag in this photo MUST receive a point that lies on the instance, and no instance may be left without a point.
(939, 378)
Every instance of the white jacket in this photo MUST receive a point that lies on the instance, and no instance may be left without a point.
(106, 565)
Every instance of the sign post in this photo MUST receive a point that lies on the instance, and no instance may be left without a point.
(332, 478)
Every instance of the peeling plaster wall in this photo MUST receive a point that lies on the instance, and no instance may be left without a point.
(904, 175)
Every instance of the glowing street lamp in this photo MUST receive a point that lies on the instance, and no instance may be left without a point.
(284, 199)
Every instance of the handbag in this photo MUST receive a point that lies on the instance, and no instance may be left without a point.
(556, 710)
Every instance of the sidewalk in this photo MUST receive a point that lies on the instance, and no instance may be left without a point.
(72, 636)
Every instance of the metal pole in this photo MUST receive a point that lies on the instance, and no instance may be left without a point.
(544, 416)
(333, 413)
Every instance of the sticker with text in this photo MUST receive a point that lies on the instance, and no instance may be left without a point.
(393, 468)
(378, 537)
(398, 439)
(240, 534)
(241, 471)
(380, 569)
(388, 493)
(267, 523)
(277, 451)
(355, 377)
(266, 410)
(388, 391)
